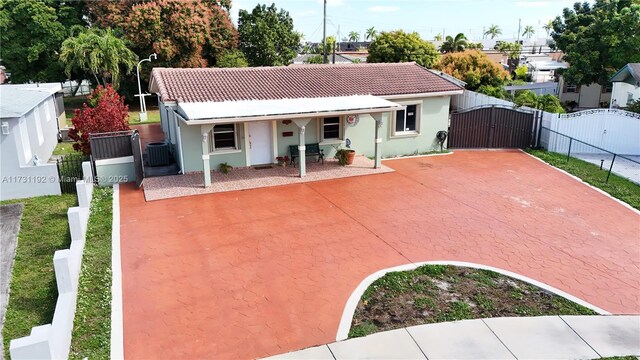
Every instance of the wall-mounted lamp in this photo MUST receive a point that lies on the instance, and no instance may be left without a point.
(5, 128)
(204, 137)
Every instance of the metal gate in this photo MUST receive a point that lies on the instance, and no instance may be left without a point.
(494, 126)
(118, 144)
(70, 171)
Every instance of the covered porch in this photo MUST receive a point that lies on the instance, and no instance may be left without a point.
(246, 178)
(230, 129)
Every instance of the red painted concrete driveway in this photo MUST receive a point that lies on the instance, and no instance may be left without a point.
(252, 273)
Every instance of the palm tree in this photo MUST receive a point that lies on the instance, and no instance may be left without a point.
(371, 33)
(100, 52)
(548, 27)
(493, 31)
(354, 36)
(454, 44)
(528, 31)
(438, 37)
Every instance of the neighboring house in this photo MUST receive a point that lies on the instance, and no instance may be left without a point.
(29, 116)
(585, 96)
(626, 85)
(339, 59)
(250, 116)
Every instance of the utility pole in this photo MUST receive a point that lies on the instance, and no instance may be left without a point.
(519, 29)
(324, 34)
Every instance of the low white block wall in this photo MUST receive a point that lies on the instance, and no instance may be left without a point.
(52, 341)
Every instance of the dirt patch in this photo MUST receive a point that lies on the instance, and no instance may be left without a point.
(438, 293)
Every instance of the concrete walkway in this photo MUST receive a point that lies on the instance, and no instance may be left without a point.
(622, 167)
(546, 337)
(10, 227)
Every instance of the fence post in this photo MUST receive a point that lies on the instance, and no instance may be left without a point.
(611, 167)
(569, 152)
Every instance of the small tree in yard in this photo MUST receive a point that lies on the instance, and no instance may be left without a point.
(104, 111)
(634, 106)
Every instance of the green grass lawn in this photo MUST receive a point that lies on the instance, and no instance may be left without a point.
(43, 230)
(92, 325)
(618, 187)
(64, 148)
(72, 103)
(439, 293)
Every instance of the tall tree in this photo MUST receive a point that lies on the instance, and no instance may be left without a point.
(182, 33)
(548, 27)
(99, 52)
(267, 37)
(597, 40)
(454, 44)
(528, 31)
(31, 33)
(493, 31)
(398, 46)
(354, 36)
(473, 67)
(370, 34)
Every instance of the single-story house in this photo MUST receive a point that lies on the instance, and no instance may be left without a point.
(29, 115)
(250, 116)
(626, 85)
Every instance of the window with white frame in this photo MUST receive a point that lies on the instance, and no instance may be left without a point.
(38, 124)
(331, 128)
(223, 137)
(24, 139)
(408, 120)
(571, 88)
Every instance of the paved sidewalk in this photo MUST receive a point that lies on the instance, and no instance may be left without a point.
(622, 167)
(546, 337)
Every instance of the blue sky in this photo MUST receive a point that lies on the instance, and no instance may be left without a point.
(428, 17)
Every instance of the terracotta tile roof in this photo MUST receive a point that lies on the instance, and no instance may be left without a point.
(289, 82)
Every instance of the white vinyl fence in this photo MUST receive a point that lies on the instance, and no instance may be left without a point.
(52, 341)
(616, 131)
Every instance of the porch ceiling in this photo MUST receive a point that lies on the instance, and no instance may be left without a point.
(256, 110)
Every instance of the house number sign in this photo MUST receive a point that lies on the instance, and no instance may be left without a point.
(353, 120)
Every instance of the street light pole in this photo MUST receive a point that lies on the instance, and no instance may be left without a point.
(143, 105)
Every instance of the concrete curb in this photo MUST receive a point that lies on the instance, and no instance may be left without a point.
(352, 302)
(418, 156)
(117, 337)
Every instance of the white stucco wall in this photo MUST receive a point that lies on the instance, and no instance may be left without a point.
(35, 133)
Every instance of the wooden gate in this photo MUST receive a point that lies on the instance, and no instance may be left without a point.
(491, 127)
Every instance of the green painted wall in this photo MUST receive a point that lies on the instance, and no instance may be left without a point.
(434, 117)
(310, 135)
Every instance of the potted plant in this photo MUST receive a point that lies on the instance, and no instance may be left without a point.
(224, 168)
(282, 160)
(345, 156)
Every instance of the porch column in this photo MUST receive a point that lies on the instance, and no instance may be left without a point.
(378, 156)
(206, 165)
(302, 161)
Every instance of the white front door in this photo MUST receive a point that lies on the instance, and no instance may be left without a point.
(260, 142)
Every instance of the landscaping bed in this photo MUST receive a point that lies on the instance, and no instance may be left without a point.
(44, 229)
(439, 293)
(618, 187)
(92, 325)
